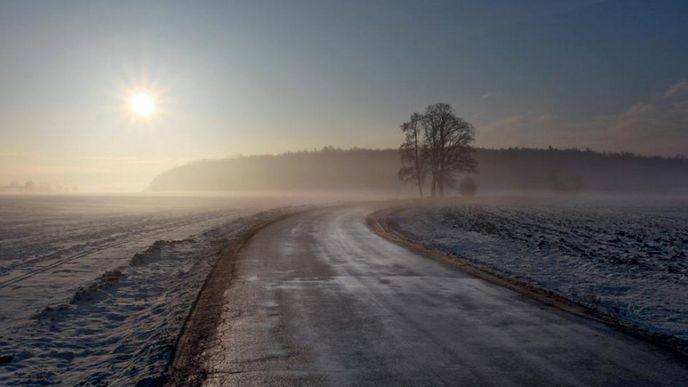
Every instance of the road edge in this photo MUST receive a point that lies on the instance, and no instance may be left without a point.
(199, 329)
(377, 222)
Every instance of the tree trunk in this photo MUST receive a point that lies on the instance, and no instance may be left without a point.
(419, 172)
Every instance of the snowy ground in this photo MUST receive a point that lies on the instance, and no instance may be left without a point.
(94, 289)
(624, 256)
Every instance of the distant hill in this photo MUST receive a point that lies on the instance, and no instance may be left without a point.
(376, 170)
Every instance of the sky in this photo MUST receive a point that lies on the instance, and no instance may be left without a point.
(253, 77)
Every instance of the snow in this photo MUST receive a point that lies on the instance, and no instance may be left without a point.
(624, 256)
(94, 290)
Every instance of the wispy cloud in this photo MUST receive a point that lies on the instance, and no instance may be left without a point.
(517, 121)
(677, 89)
(639, 109)
(491, 94)
(659, 126)
(656, 125)
(527, 129)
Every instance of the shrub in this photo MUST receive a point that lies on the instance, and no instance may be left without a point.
(468, 187)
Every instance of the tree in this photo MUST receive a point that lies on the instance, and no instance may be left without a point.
(449, 140)
(412, 153)
(445, 149)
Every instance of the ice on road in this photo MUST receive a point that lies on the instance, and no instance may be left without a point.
(319, 299)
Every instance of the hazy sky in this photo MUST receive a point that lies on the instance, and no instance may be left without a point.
(261, 77)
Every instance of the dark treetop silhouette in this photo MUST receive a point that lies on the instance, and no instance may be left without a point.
(436, 143)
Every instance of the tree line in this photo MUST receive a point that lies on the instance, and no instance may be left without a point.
(437, 146)
(368, 170)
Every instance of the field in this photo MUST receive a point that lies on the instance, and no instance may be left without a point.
(95, 289)
(624, 256)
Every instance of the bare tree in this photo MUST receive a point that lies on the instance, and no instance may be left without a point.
(413, 152)
(449, 139)
(445, 150)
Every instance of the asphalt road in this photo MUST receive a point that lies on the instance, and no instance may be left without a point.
(318, 299)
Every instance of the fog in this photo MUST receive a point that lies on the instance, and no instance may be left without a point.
(171, 171)
(375, 171)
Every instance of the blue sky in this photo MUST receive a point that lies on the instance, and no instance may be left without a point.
(263, 77)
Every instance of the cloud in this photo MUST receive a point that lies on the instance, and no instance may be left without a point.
(656, 125)
(677, 89)
(510, 122)
(657, 128)
(491, 94)
(639, 109)
(634, 119)
(516, 122)
(545, 117)
(524, 129)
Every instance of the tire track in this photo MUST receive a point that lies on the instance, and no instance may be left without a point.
(151, 233)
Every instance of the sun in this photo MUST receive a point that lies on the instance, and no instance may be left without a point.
(142, 104)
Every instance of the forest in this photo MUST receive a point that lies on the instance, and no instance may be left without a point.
(559, 170)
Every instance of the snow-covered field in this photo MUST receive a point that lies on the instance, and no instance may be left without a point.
(94, 289)
(625, 256)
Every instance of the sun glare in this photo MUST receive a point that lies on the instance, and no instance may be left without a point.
(142, 104)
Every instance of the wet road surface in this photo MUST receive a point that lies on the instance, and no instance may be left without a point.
(319, 299)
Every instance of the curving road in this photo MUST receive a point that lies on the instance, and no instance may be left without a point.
(319, 299)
